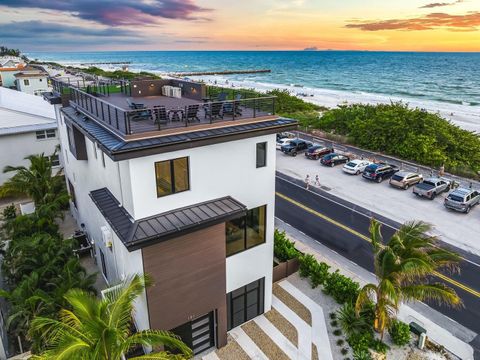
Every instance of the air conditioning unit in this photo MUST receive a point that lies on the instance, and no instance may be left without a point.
(107, 236)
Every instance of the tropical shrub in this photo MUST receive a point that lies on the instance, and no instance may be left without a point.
(350, 322)
(362, 354)
(360, 341)
(306, 264)
(10, 212)
(399, 332)
(318, 273)
(379, 346)
(411, 134)
(341, 288)
(283, 248)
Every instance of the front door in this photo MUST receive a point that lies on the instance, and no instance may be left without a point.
(198, 334)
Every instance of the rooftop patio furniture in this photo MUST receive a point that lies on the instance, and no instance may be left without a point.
(142, 114)
(160, 115)
(233, 107)
(222, 96)
(192, 113)
(175, 114)
(213, 110)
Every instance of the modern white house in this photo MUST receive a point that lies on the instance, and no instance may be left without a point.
(181, 189)
(27, 126)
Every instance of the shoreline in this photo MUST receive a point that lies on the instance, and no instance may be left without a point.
(466, 117)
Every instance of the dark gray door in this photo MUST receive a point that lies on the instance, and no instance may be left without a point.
(245, 303)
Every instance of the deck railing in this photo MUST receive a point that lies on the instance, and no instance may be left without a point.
(137, 121)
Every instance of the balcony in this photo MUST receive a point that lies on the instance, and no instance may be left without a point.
(138, 109)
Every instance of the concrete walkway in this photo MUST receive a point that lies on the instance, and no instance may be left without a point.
(247, 344)
(319, 332)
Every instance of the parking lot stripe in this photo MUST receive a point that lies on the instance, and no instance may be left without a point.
(366, 238)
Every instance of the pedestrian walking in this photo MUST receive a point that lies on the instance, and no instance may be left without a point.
(470, 185)
(441, 172)
(307, 182)
(317, 180)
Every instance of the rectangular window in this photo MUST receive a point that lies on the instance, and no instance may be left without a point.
(26, 82)
(51, 133)
(55, 160)
(172, 176)
(246, 232)
(40, 135)
(72, 193)
(261, 154)
(245, 303)
(104, 265)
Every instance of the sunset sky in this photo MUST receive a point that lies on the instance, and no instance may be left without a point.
(418, 25)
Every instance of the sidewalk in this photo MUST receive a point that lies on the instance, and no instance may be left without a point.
(441, 329)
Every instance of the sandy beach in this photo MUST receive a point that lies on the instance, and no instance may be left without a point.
(466, 117)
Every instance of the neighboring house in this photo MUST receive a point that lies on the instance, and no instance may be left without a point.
(180, 190)
(7, 75)
(27, 126)
(33, 83)
(10, 61)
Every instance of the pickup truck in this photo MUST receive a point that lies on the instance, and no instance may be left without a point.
(295, 146)
(432, 187)
(379, 171)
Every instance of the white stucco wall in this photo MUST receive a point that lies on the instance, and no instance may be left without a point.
(15, 147)
(216, 171)
(36, 85)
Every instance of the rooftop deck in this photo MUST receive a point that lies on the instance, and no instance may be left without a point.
(133, 116)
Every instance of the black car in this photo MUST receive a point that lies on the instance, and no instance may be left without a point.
(379, 172)
(334, 159)
(295, 146)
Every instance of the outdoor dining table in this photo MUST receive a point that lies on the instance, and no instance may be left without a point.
(176, 114)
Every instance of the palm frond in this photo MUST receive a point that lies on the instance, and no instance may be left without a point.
(157, 337)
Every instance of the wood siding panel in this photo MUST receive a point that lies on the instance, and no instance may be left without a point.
(189, 279)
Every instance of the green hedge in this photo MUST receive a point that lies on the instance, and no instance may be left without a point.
(399, 332)
(283, 249)
(411, 134)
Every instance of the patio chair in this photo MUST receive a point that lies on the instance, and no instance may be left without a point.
(160, 113)
(213, 110)
(130, 104)
(232, 108)
(192, 113)
(222, 96)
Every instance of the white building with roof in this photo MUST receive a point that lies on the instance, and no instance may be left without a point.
(27, 126)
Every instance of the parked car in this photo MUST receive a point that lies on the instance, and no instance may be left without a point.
(462, 200)
(296, 146)
(281, 142)
(379, 171)
(432, 187)
(317, 151)
(355, 166)
(334, 159)
(405, 179)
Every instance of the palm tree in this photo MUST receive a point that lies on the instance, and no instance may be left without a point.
(101, 329)
(37, 181)
(403, 268)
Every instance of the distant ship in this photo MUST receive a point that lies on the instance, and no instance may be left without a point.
(313, 48)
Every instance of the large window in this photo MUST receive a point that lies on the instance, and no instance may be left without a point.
(261, 154)
(245, 303)
(246, 232)
(172, 176)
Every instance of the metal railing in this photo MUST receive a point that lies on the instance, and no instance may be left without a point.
(158, 117)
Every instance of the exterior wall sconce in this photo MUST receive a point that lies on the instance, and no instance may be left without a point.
(134, 85)
(152, 85)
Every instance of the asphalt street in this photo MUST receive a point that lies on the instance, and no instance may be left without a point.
(343, 226)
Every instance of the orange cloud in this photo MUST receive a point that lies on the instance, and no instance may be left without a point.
(467, 22)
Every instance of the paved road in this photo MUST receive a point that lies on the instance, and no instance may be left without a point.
(340, 225)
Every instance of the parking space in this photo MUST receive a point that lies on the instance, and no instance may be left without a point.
(455, 228)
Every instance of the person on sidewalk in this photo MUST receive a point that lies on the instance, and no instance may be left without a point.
(307, 182)
(317, 180)
(441, 172)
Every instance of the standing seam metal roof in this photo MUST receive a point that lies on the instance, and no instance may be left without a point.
(174, 223)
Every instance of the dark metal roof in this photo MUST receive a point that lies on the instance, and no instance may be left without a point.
(117, 148)
(118, 218)
(164, 226)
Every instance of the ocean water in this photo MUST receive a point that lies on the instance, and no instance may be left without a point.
(452, 78)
